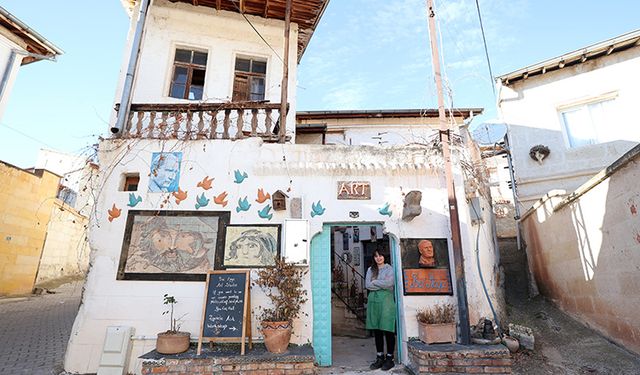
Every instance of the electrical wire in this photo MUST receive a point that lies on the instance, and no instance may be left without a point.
(486, 50)
(27, 135)
(257, 32)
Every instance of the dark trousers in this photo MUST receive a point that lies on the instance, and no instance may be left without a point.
(380, 337)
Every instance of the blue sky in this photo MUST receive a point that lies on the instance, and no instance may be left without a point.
(365, 54)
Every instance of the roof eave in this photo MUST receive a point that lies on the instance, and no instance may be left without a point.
(31, 37)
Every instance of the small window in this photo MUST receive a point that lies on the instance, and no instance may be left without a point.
(131, 182)
(249, 80)
(590, 123)
(187, 81)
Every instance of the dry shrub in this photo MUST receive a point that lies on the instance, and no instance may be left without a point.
(438, 314)
(282, 284)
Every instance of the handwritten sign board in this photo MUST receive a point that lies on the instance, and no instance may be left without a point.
(356, 190)
(427, 281)
(226, 313)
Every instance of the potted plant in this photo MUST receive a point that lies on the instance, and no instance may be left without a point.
(282, 284)
(437, 324)
(172, 341)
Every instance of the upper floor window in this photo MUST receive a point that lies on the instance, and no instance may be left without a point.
(590, 123)
(249, 79)
(189, 68)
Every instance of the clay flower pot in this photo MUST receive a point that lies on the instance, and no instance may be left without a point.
(172, 342)
(437, 333)
(511, 343)
(276, 336)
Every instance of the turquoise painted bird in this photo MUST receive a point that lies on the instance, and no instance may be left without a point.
(240, 176)
(201, 201)
(385, 210)
(264, 213)
(133, 200)
(317, 209)
(243, 205)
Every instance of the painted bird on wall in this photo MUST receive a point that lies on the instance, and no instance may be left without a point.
(317, 209)
(240, 176)
(264, 213)
(205, 183)
(221, 199)
(243, 205)
(202, 201)
(133, 200)
(385, 210)
(114, 212)
(179, 195)
(262, 197)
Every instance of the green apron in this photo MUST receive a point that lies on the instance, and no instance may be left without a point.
(381, 310)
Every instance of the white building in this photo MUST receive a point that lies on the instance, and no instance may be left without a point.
(19, 45)
(197, 68)
(579, 108)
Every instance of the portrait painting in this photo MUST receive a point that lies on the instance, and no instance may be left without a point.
(424, 253)
(251, 246)
(171, 245)
(164, 176)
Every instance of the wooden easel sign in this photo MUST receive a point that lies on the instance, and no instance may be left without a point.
(226, 313)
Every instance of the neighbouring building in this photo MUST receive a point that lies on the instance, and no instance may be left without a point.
(570, 116)
(202, 159)
(19, 45)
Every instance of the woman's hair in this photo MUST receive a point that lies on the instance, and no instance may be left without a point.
(374, 265)
(265, 241)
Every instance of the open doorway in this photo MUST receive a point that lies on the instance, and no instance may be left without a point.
(352, 248)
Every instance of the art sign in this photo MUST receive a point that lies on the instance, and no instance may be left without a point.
(427, 281)
(354, 190)
(171, 245)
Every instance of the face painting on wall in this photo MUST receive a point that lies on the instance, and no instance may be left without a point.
(251, 246)
(165, 172)
(165, 244)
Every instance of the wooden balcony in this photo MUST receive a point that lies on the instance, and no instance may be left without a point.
(203, 121)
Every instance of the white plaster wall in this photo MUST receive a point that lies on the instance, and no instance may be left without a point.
(6, 46)
(530, 108)
(311, 173)
(224, 35)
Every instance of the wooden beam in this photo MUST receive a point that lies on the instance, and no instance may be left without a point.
(285, 74)
(242, 6)
(195, 3)
(218, 4)
(266, 9)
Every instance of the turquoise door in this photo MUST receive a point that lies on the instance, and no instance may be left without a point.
(321, 295)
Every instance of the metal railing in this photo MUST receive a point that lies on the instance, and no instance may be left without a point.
(348, 286)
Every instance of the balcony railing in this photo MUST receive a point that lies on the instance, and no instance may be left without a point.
(203, 121)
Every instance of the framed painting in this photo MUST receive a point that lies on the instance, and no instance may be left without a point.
(425, 266)
(250, 246)
(171, 245)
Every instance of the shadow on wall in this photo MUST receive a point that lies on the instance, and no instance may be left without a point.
(586, 255)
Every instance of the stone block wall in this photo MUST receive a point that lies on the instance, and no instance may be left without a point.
(226, 366)
(458, 359)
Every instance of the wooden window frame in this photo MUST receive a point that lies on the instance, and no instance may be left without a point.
(249, 76)
(190, 68)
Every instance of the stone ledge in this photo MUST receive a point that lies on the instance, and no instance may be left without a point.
(460, 359)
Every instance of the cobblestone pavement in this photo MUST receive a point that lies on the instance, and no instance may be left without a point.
(35, 331)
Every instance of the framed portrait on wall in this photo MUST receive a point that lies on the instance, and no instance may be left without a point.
(171, 245)
(250, 246)
(425, 266)
(164, 175)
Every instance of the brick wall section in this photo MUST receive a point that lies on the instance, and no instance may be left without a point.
(225, 366)
(458, 359)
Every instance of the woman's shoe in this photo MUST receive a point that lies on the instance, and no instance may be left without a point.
(388, 363)
(378, 363)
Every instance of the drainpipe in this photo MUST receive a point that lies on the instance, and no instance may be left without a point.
(125, 101)
(7, 72)
(513, 190)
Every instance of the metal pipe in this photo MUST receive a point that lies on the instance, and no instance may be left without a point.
(7, 72)
(513, 191)
(456, 240)
(125, 101)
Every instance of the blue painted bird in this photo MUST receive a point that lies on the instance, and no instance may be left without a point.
(133, 200)
(317, 209)
(240, 176)
(264, 213)
(385, 210)
(201, 201)
(243, 205)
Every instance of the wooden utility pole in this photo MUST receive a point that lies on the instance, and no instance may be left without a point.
(285, 75)
(458, 259)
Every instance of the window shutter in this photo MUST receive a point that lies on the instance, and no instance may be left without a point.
(240, 88)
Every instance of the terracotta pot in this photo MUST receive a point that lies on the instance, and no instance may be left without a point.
(276, 336)
(172, 342)
(437, 333)
(511, 343)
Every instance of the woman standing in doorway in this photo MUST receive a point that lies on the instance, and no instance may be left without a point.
(381, 310)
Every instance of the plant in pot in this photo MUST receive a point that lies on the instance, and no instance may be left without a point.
(172, 341)
(282, 284)
(437, 324)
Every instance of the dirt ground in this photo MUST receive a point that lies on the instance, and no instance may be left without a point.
(562, 344)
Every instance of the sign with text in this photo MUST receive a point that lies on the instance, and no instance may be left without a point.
(427, 281)
(226, 310)
(356, 190)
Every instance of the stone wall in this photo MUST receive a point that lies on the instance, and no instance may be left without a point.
(459, 359)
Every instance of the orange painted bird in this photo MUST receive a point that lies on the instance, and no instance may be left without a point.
(205, 183)
(221, 199)
(179, 195)
(114, 212)
(262, 197)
